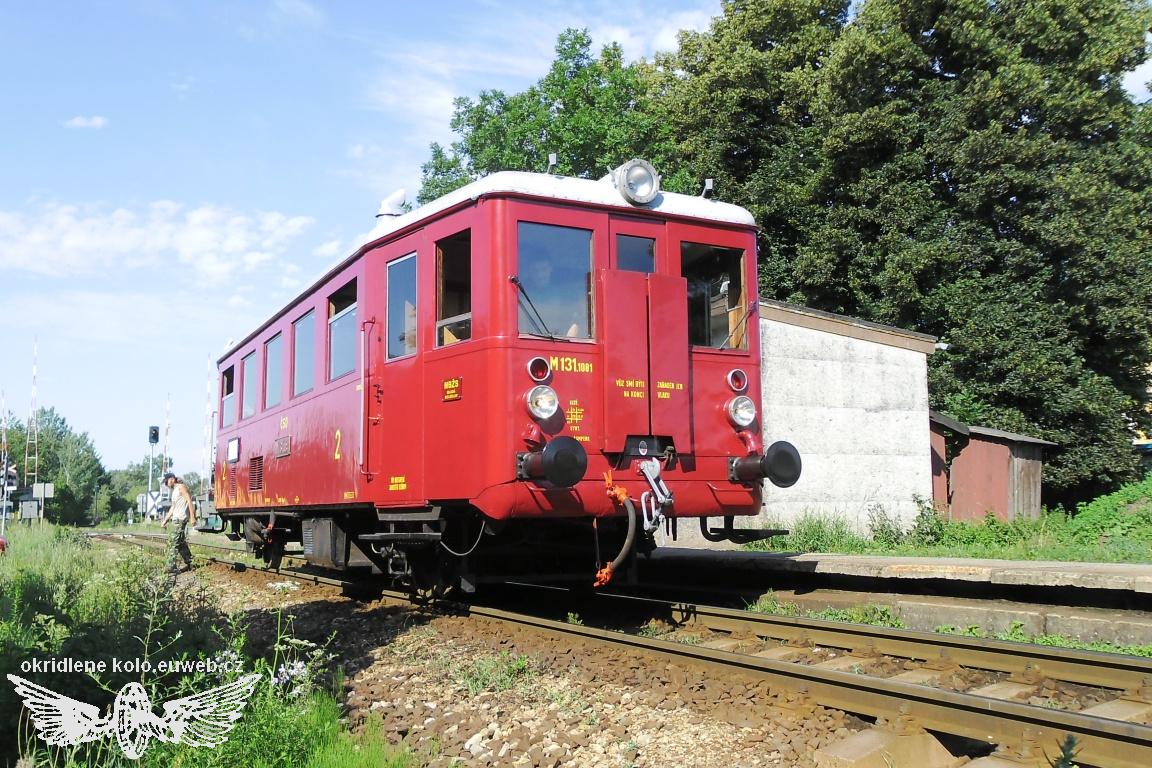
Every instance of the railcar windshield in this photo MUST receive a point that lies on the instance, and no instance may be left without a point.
(556, 272)
(717, 314)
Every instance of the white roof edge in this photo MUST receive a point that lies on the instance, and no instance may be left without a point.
(597, 192)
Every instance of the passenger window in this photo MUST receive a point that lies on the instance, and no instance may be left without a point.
(635, 254)
(273, 371)
(402, 307)
(342, 331)
(717, 316)
(228, 397)
(303, 357)
(454, 289)
(555, 273)
(250, 384)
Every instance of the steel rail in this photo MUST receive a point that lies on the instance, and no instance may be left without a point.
(1102, 741)
(1095, 668)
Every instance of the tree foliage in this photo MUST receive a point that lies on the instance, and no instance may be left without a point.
(593, 112)
(67, 459)
(968, 169)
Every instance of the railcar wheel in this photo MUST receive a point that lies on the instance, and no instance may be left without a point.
(254, 535)
(430, 577)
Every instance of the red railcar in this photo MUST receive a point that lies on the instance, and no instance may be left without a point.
(519, 376)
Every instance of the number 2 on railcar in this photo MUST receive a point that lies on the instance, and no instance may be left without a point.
(526, 377)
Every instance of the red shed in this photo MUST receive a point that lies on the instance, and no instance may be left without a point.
(985, 470)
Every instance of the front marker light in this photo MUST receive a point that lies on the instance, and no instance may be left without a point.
(741, 411)
(542, 401)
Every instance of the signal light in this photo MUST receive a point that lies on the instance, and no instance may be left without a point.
(539, 369)
(153, 435)
(737, 380)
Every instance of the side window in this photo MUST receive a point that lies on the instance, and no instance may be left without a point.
(250, 384)
(273, 371)
(342, 331)
(454, 288)
(402, 307)
(717, 313)
(635, 254)
(228, 397)
(303, 359)
(555, 271)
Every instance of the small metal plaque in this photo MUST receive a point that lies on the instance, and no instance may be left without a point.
(453, 389)
(283, 446)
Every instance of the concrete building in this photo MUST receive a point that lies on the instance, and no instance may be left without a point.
(852, 396)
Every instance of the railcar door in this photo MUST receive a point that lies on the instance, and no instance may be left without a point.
(645, 337)
(394, 420)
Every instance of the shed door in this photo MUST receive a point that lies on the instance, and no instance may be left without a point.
(645, 337)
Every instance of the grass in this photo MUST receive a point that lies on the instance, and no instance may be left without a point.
(62, 597)
(496, 673)
(1116, 527)
(883, 616)
(866, 613)
(1017, 634)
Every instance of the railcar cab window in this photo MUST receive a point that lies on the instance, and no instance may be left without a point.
(250, 385)
(635, 254)
(303, 357)
(342, 331)
(717, 314)
(555, 271)
(402, 307)
(228, 397)
(273, 371)
(454, 288)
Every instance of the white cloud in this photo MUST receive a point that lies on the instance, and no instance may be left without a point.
(96, 121)
(213, 242)
(327, 250)
(1136, 81)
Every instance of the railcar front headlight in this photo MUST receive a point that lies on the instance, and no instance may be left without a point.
(741, 411)
(542, 401)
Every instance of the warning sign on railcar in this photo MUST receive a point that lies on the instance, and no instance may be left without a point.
(453, 389)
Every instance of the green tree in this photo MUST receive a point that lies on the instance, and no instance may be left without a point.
(67, 459)
(981, 181)
(593, 112)
(739, 99)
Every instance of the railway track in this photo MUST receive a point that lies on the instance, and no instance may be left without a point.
(791, 654)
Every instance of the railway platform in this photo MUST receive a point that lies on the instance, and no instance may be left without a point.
(1108, 602)
(1135, 578)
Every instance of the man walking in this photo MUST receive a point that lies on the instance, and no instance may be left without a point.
(180, 513)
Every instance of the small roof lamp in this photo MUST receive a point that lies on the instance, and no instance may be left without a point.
(637, 182)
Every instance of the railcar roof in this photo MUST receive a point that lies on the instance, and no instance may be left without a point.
(593, 191)
(545, 186)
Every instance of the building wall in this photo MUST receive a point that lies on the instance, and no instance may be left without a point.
(857, 410)
(981, 475)
(939, 469)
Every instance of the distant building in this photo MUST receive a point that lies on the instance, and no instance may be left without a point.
(982, 470)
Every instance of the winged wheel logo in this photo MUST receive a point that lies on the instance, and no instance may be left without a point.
(201, 720)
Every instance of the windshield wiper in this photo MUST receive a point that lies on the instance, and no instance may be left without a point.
(541, 325)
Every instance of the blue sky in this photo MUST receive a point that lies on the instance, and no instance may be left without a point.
(173, 172)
